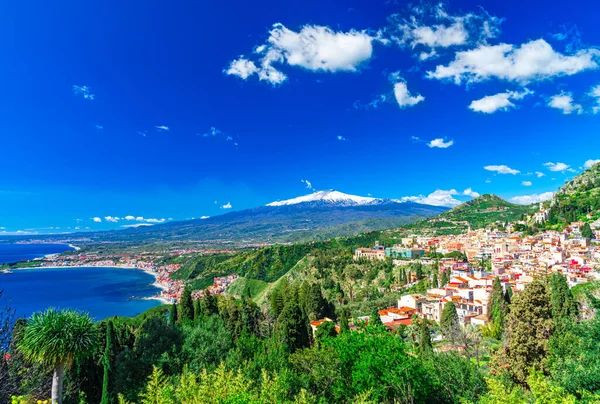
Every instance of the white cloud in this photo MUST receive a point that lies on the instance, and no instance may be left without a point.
(307, 183)
(97, 219)
(437, 198)
(590, 163)
(534, 60)
(403, 96)
(431, 27)
(227, 206)
(314, 48)
(83, 91)
(212, 132)
(153, 220)
(162, 128)
(539, 174)
(529, 199)
(341, 138)
(440, 143)
(526, 183)
(557, 166)
(471, 193)
(99, 127)
(564, 102)
(502, 169)
(111, 219)
(243, 68)
(498, 102)
(204, 217)
(595, 93)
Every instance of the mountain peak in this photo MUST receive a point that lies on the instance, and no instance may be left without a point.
(330, 196)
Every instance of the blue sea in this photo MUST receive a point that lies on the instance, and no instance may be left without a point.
(102, 292)
(10, 253)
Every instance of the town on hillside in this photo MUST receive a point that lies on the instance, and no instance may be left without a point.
(514, 258)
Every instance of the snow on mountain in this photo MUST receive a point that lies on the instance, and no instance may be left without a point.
(331, 196)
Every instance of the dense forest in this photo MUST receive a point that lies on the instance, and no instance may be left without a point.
(540, 347)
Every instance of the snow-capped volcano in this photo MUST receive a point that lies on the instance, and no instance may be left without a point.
(331, 196)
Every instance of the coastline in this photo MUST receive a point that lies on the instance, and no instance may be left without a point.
(156, 284)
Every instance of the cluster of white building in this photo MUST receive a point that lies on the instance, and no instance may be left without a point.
(514, 258)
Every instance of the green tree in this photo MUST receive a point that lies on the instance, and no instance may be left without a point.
(497, 306)
(435, 282)
(344, 326)
(508, 294)
(449, 323)
(315, 305)
(173, 317)
(57, 338)
(186, 306)
(529, 327)
(564, 307)
(586, 231)
(425, 345)
(575, 357)
(197, 309)
(107, 359)
(326, 329)
(375, 318)
(444, 278)
(419, 270)
(209, 305)
(292, 325)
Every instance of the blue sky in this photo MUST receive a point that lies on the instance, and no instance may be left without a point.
(170, 110)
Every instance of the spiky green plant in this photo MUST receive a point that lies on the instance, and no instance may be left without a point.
(57, 338)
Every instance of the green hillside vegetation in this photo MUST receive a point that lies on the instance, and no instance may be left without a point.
(252, 288)
(576, 200)
(481, 212)
(487, 209)
(227, 350)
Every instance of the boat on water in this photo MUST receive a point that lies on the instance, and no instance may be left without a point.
(6, 271)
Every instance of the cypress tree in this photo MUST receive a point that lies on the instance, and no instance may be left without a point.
(435, 282)
(586, 231)
(564, 307)
(186, 306)
(209, 305)
(444, 279)
(508, 295)
(291, 324)
(197, 309)
(449, 323)
(344, 326)
(497, 307)
(316, 306)
(106, 363)
(419, 271)
(173, 317)
(529, 326)
(425, 345)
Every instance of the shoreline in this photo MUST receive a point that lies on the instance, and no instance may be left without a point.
(156, 284)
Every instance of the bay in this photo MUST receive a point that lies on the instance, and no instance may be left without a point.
(100, 291)
(11, 253)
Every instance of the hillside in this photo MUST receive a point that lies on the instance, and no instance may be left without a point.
(483, 211)
(577, 200)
